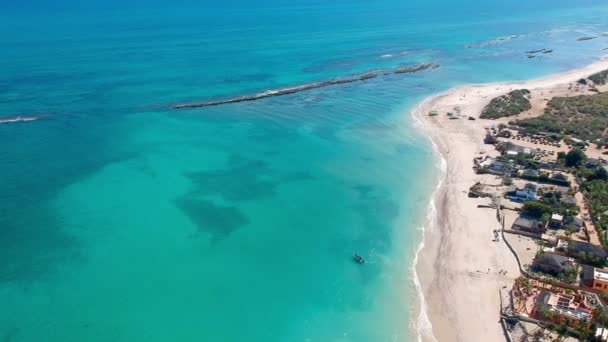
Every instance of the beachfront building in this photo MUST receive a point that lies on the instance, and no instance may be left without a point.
(588, 249)
(510, 149)
(495, 167)
(528, 224)
(529, 173)
(528, 193)
(562, 308)
(553, 263)
(595, 278)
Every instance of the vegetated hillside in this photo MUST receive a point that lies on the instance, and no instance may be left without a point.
(600, 77)
(583, 117)
(512, 103)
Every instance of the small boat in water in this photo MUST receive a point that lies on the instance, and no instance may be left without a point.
(358, 258)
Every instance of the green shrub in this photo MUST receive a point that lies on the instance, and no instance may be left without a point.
(600, 77)
(536, 209)
(584, 117)
(596, 197)
(512, 103)
(575, 157)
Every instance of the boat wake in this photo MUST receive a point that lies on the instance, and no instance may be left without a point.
(296, 89)
(18, 118)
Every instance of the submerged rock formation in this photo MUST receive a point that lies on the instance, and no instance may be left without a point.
(534, 53)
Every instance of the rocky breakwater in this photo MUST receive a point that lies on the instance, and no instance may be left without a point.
(309, 86)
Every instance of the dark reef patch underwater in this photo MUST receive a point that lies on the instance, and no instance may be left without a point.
(217, 220)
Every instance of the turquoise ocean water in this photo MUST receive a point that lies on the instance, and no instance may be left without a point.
(123, 220)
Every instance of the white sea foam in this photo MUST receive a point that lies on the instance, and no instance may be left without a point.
(15, 119)
(391, 55)
(423, 325)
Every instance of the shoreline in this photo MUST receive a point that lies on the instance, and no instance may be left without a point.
(423, 324)
(456, 264)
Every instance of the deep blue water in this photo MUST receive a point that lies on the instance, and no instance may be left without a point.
(124, 220)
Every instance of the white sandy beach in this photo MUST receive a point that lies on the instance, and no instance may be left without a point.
(459, 265)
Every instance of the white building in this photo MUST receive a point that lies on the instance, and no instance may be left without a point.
(528, 193)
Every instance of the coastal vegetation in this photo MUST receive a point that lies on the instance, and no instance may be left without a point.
(573, 158)
(537, 209)
(543, 176)
(583, 117)
(596, 196)
(548, 205)
(570, 276)
(588, 259)
(512, 103)
(593, 177)
(566, 274)
(592, 173)
(552, 204)
(600, 77)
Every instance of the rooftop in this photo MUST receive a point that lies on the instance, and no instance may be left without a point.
(555, 260)
(580, 246)
(559, 175)
(529, 173)
(525, 221)
(565, 305)
(569, 200)
(557, 217)
(600, 274)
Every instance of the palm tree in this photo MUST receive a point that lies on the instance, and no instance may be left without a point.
(582, 327)
(562, 330)
(539, 334)
(602, 316)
